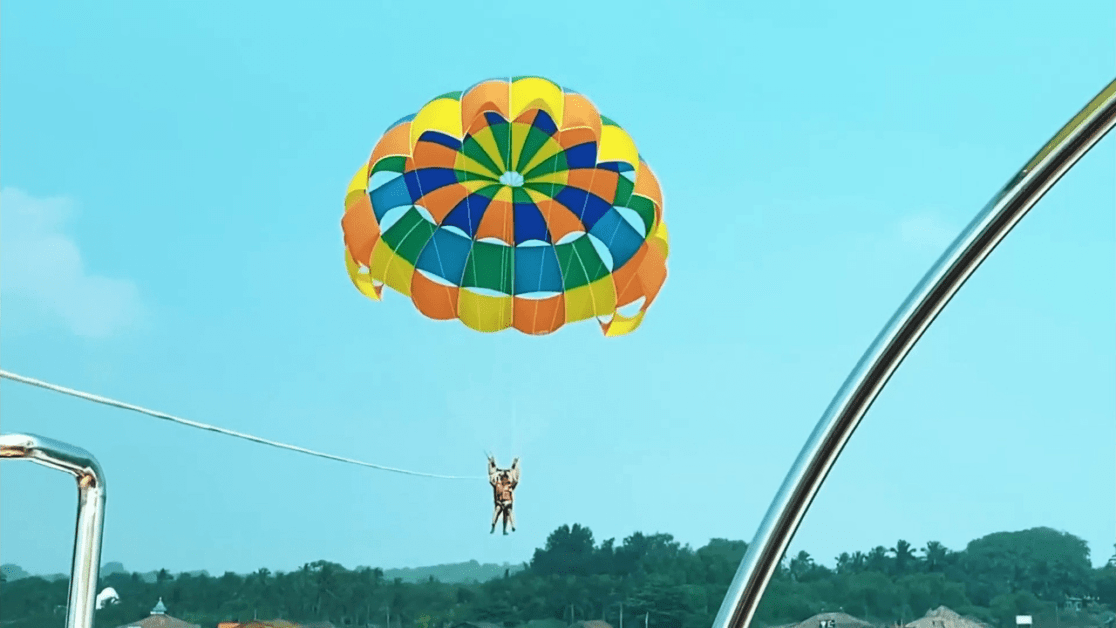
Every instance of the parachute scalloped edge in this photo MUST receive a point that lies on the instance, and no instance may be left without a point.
(361, 280)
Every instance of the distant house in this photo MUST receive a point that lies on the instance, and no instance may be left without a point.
(591, 623)
(1076, 603)
(159, 619)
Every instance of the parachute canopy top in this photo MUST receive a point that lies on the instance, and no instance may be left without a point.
(512, 204)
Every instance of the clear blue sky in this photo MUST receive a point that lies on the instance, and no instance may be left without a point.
(173, 182)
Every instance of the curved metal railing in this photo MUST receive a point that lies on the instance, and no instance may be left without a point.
(893, 344)
(90, 515)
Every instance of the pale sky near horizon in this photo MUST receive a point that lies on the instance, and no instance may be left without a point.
(173, 176)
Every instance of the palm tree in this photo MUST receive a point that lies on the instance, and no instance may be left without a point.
(800, 566)
(904, 556)
(877, 559)
(936, 556)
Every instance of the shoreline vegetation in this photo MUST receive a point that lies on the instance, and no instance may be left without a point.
(652, 579)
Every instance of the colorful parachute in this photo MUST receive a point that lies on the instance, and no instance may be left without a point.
(511, 204)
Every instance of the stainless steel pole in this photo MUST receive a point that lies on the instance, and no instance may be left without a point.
(914, 316)
(90, 515)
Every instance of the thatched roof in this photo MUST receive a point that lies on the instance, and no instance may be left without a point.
(272, 623)
(476, 624)
(943, 617)
(269, 623)
(840, 620)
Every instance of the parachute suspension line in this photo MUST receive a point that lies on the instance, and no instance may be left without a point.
(507, 268)
(220, 430)
(517, 436)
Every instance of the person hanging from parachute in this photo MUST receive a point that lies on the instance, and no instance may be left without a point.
(504, 483)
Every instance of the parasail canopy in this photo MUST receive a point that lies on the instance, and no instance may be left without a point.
(514, 203)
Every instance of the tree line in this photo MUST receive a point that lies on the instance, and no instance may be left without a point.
(650, 578)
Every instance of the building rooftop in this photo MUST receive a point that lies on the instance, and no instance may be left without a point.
(159, 619)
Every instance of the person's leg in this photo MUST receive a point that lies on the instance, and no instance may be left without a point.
(495, 518)
(511, 516)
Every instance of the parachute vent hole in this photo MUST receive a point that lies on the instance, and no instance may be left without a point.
(511, 178)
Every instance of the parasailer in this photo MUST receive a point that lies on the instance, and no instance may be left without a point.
(511, 204)
(514, 203)
(504, 483)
